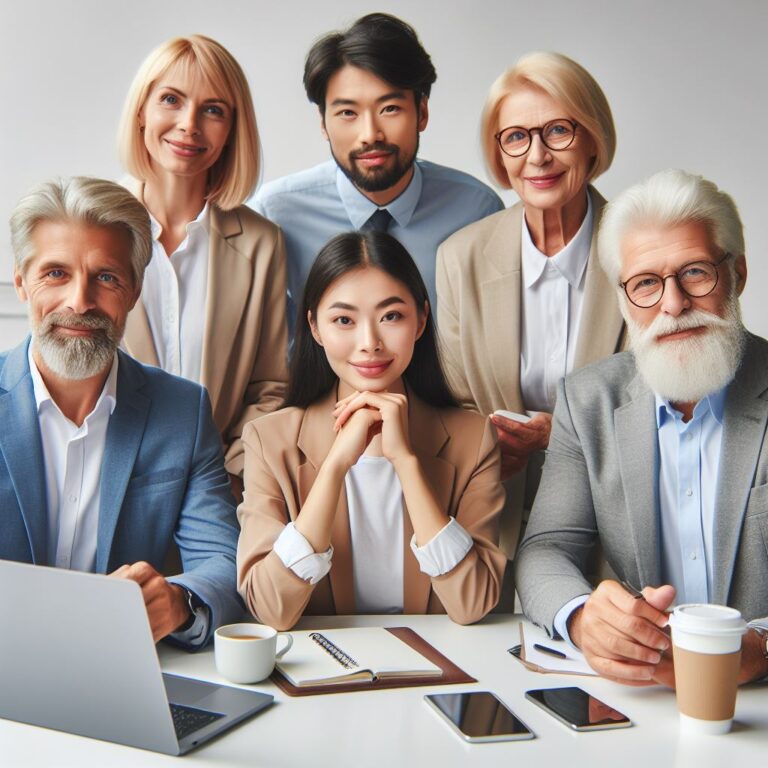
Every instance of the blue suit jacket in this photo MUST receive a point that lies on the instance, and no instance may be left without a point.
(162, 478)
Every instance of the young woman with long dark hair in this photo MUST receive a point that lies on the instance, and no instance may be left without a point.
(371, 491)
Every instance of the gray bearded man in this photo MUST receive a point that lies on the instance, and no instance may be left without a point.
(660, 454)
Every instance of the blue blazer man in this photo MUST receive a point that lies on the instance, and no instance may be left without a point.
(162, 479)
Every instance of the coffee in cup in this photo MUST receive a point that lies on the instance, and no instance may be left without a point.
(246, 653)
(706, 645)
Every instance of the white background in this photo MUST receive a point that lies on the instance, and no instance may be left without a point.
(685, 80)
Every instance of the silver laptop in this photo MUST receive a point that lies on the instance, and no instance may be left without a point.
(76, 654)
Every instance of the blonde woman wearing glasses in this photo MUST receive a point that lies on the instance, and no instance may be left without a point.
(522, 298)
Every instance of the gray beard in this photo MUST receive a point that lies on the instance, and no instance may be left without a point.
(688, 370)
(76, 357)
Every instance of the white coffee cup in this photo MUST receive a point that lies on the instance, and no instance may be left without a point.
(246, 653)
(706, 644)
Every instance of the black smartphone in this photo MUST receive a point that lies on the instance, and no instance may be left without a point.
(479, 716)
(578, 709)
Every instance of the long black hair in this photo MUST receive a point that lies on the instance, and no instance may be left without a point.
(311, 376)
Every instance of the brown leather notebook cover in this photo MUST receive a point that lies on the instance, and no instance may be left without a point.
(451, 673)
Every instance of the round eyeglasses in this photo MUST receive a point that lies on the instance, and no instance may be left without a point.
(695, 279)
(555, 135)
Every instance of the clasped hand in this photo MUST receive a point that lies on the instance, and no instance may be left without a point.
(517, 441)
(363, 415)
(166, 603)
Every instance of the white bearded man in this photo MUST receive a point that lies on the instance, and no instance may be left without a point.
(660, 453)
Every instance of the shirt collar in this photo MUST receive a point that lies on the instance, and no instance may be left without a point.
(570, 262)
(108, 394)
(199, 224)
(359, 208)
(714, 404)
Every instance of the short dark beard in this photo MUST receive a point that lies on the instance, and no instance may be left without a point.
(382, 178)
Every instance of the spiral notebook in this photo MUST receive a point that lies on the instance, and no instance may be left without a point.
(357, 655)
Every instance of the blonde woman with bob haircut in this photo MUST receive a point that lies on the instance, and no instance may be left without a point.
(522, 298)
(212, 308)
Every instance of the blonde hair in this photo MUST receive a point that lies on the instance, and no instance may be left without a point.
(570, 85)
(233, 177)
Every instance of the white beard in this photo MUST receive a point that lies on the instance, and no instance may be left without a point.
(76, 357)
(688, 370)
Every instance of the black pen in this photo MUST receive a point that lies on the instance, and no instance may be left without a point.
(550, 651)
(634, 591)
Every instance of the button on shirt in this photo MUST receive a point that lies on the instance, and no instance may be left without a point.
(314, 205)
(552, 299)
(174, 296)
(688, 472)
(73, 457)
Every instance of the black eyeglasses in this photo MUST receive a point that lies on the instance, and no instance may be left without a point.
(555, 135)
(695, 279)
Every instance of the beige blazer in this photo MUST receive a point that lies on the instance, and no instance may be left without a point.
(244, 364)
(478, 309)
(283, 454)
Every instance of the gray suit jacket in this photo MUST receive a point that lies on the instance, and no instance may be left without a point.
(600, 481)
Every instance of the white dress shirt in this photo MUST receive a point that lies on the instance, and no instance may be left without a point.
(73, 457)
(552, 297)
(174, 296)
(375, 504)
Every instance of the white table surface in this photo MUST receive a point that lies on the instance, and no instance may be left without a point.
(393, 728)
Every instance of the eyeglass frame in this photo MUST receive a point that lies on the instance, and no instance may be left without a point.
(676, 275)
(540, 129)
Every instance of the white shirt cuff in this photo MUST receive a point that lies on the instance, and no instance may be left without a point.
(447, 548)
(297, 554)
(562, 616)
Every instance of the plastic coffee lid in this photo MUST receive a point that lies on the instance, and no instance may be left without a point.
(706, 619)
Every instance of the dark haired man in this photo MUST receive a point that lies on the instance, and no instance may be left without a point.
(371, 84)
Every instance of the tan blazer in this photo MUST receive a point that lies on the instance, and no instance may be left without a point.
(478, 309)
(244, 364)
(283, 454)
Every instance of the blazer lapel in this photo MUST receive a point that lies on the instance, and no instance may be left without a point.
(137, 339)
(22, 449)
(428, 436)
(637, 439)
(124, 434)
(229, 281)
(601, 322)
(315, 440)
(744, 429)
(501, 307)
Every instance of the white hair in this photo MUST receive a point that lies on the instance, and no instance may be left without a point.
(94, 202)
(668, 199)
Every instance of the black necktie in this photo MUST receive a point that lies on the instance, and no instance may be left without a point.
(379, 221)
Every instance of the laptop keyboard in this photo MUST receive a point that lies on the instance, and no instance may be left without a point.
(188, 719)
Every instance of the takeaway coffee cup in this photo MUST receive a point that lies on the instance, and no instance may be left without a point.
(246, 653)
(706, 645)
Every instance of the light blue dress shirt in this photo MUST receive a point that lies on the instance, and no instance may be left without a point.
(314, 205)
(689, 463)
(689, 457)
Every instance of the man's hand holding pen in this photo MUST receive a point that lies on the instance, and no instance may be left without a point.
(622, 636)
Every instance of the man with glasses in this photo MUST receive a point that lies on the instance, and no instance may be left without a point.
(371, 84)
(659, 453)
